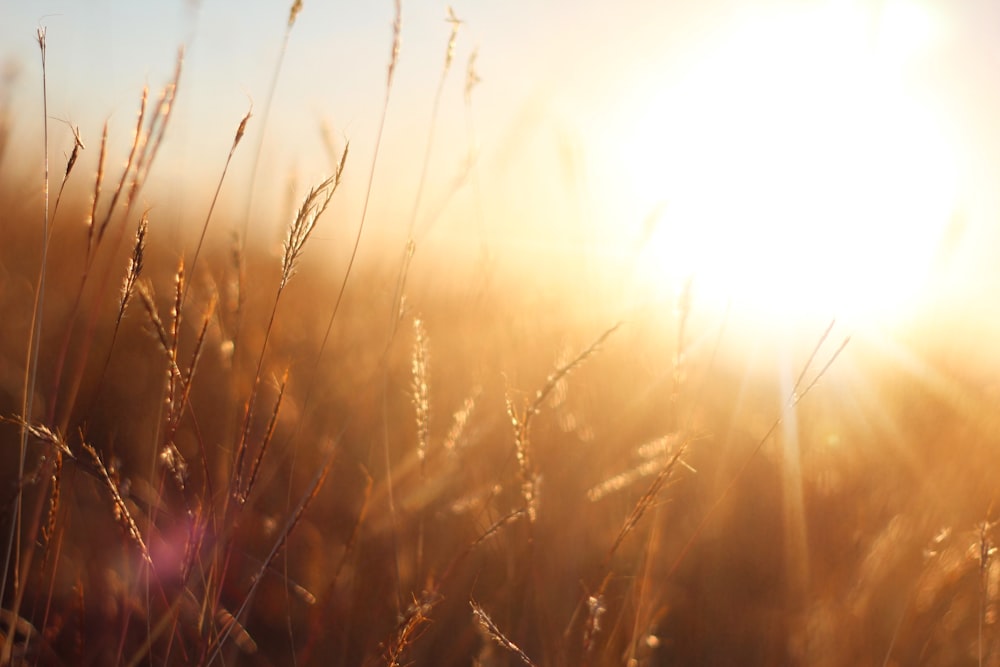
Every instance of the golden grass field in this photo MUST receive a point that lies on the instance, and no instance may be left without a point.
(225, 462)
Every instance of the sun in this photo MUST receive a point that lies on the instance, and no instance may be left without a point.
(793, 168)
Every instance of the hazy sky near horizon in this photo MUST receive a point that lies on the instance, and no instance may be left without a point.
(591, 117)
(530, 57)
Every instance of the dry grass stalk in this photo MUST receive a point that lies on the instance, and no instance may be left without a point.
(49, 529)
(397, 28)
(987, 550)
(595, 601)
(70, 162)
(525, 465)
(293, 13)
(497, 526)
(290, 524)
(413, 624)
(410, 246)
(122, 514)
(314, 205)
(595, 611)
(317, 626)
(187, 379)
(59, 450)
(176, 312)
(77, 147)
(178, 385)
(234, 294)
(155, 132)
(96, 197)
(268, 436)
(646, 501)
(299, 231)
(174, 462)
(494, 633)
(460, 421)
(132, 274)
(42, 433)
(228, 624)
(240, 130)
(137, 142)
(625, 479)
(144, 148)
(521, 421)
(420, 390)
(13, 547)
(141, 154)
(656, 455)
(149, 303)
(397, 33)
(455, 23)
(133, 271)
(471, 75)
(560, 373)
(798, 393)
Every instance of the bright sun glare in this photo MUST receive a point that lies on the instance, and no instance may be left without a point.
(792, 168)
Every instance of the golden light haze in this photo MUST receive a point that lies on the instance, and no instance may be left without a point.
(789, 158)
(670, 337)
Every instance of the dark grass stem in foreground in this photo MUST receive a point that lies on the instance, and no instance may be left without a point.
(13, 546)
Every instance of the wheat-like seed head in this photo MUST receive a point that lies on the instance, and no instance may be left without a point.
(148, 301)
(420, 388)
(455, 23)
(98, 180)
(134, 267)
(490, 628)
(314, 205)
(460, 420)
(77, 147)
(471, 75)
(122, 513)
(293, 13)
(397, 30)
